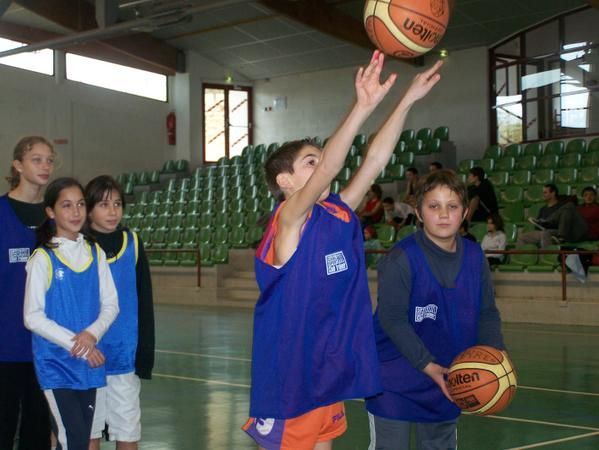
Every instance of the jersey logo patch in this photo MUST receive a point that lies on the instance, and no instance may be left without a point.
(336, 263)
(264, 426)
(18, 255)
(426, 312)
(59, 274)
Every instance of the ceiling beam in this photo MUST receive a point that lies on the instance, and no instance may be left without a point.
(138, 50)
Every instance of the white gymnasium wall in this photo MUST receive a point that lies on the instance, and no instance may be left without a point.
(105, 131)
(317, 101)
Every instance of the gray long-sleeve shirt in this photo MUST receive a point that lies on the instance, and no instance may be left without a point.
(395, 286)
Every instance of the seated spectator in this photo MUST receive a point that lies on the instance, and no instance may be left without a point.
(557, 222)
(495, 239)
(589, 210)
(434, 166)
(372, 243)
(412, 182)
(482, 196)
(465, 233)
(371, 210)
(397, 214)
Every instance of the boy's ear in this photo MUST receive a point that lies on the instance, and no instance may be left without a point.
(283, 180)
(418, 215)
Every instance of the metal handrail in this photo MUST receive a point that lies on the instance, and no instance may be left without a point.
(562, 253)
(183, 250)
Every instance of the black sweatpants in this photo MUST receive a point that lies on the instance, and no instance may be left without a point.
(72, 416)
(21, 396)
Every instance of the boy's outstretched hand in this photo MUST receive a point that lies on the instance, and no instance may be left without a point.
(369, 90)
(423, 83)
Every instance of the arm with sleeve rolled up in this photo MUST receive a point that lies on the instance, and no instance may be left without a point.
(34, 309)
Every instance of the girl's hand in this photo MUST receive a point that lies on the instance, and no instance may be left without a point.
(423, 83)
(85, 342)
(95, 358)
(437, 372)
(369, 89)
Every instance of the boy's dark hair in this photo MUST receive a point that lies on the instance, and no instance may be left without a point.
(443, 177)
(464, 225)
(47, 230)
(414, 170)
(376, 189)
(98, 188)
(589, 189)
(389, 200)
(436, 164)
(281, 161)
(477, 172)
(497, 220)
(552, 188)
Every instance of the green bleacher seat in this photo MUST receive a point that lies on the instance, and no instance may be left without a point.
(355, 162)
(545, 263)
(511, 232)
(511, 194)
(220, 254)
(384, 177)
(407, 136)
(145, 237)
(567, 175)
(158, 238)
(335, 187)
(386, 235)
(588, 175)
(564, 188)
(220, 235)
(590, 159)
(576, 146)
(143, 199)
(237, 237)
(169, 197)
(432, 146)
(487, 164)
(518, 263)
(400, 147)
(513, 150)
(533, 209)
(533, 149)
(161, 222)
(513, 213)
(593, 145)
(442, 133)
(143, 179)
(554, 148)
(533, 194)
(526, 162)
(548, 161)
(521, 177)
(404, 232)
(254, 235)
(134, 223)
(147, 222)
(359, 141)
(152, 210)
(416, 147)
(175, 223)
(252, 204)
(493, 151)
(499, 178)
(506, 163)
(570, 160)
(478, 230)
(396, 171)
(543, 176)
(424, 134)
(168, 167)
(267, 204)
(406, 158)
(464, 165)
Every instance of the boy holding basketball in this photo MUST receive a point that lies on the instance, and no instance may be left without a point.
(435, 299)
(313, 343)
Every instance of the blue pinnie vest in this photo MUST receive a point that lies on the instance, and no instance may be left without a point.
(119, 344)
(446, 320)
(73, 302)
(17, 241)
(313, 341)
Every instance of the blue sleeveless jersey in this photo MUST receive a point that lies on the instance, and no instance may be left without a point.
(313, 341)
(446, 320)
(119, 344)
(72, 301)
(16, 244)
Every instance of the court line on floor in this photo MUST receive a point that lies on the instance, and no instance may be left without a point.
(234, 358)
(555, 441)
(556, 333)
(511, 419)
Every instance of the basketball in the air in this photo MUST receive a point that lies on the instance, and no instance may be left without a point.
(406, 28)
(482, 380)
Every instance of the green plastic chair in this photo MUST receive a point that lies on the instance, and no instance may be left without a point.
(220, 236)
(465, 165)
(590, 159)
(404, 232)
(511, 232)
(554, 148)
(478, 230)
(526, 162)
(237, 238)
(533, 194)
(533, 149)
(406, 158)
(344, 174)
(416, 147)
(576, 146)
(432, 146)
(360, 141)
(386, 235)
(493, 151)
(254, 235)
(511, 194)
(548, 161)
(161, 223)
(143, 179)
(206, 254)
(564, 188)
(533, 209)
(442, 133)
(570, 160)
(506, 163)
(400, 147)
(252, 205)
(267, 204)
(396, 171)
(424, 134)
(168, 167)
(546, 263)
(521, 177)
(588, 175)
(567, 175)
(543, 176)
(513, 213)
(176, 223)
(205, 235)
(499, 178)
(220, 254)
(487, 164)
(407, 136)
(519, 263)
(513, 150)
(355, 162)
(593, 145)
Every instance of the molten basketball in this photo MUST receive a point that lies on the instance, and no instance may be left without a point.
(482, 380)
(406, 28)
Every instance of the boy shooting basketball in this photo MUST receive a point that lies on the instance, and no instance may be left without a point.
(313, 344)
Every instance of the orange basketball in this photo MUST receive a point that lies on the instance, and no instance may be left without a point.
(406, 28)
(482, 380)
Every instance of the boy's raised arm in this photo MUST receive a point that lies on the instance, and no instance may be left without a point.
(369, 91)
(383, 144)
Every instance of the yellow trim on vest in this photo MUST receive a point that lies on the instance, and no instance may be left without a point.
(41, 250)
(85, 266)
(135, 244)
(121, 251)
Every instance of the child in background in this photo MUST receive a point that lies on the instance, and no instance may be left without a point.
(371, 211)
(495, 239)
(70, 302)
(435, 299)
(21, 210)
(128, 346)
(313, 345)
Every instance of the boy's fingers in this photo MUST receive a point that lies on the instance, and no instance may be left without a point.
(429, 73)
(390, 81)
